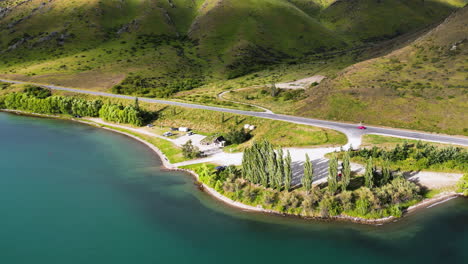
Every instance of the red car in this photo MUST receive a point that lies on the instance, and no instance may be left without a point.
(362, 127)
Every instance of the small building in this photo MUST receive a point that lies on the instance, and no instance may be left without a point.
(219, 141)
(184, 129)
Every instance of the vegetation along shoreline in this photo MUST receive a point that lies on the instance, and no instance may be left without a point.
(166, 164)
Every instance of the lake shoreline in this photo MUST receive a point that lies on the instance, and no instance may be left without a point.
(427, 203)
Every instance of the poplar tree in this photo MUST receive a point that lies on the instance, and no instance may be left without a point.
(332, 174)
(369, 174)
(287, 172)
(247, 165)
(137, 104)
(307, 179)
(386, 172)
(271, 165)
(346, 175)
(279, 176)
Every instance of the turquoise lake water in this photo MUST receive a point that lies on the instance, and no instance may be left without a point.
(70, 193)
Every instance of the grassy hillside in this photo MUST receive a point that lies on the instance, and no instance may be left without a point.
(371, 20)
(422, 86)
(173, 45)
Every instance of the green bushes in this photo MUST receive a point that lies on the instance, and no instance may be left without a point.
(463, 185)
(4, 86)
(153, 87)
(52, 105)
(264, 165)
(263, 182)
(190, 151)
(2, 102)
(120, 114)
(237, 136)
(37, 92)
(38, 101)
(417, 156)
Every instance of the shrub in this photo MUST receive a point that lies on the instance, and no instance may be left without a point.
(329, 206)
(346, 199)
(151, 86)
(190, 151)
(463, 185)
(37, 92)
(270, 197)
(237, 136)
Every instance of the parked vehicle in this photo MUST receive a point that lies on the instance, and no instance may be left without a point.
(362, 127)
(168, 134)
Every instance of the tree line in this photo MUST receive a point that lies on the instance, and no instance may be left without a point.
(266, 176)
(265, 165)
(38, 100)
(418, 156)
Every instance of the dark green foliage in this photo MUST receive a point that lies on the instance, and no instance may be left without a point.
(346, 172)
(271, 165)
(329, 206)
(307, 179)
(190, 151)
(4, 86)
(264, 165)
(278, 94)
(74, 107)
(386, 172)
(274, 91)
(369, 174)
(332, 175)
(37, 92)
(346, 200)
(122, 114)
(420, 156)
(53, 105)
(287, 171)
(237, 136)
(279, 175)
(397, 191)
(153, 87)
(463, 185)
(390, 199)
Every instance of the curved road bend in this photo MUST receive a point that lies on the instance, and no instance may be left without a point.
(350, 130)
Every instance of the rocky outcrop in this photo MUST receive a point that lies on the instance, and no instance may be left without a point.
(171, 3)
(4, 12)
(60, 37)
(19, 43)
(128, 27)
(16, 22)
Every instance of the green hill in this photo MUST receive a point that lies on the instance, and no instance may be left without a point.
(158, 47)
(422, 86)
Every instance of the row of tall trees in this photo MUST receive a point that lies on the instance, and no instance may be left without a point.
(34, 100)
(372, 177)
(53, 104)
(425, 154)
(265, 165)
(122, 114)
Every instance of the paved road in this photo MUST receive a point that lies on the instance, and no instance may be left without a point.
(351, 131)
